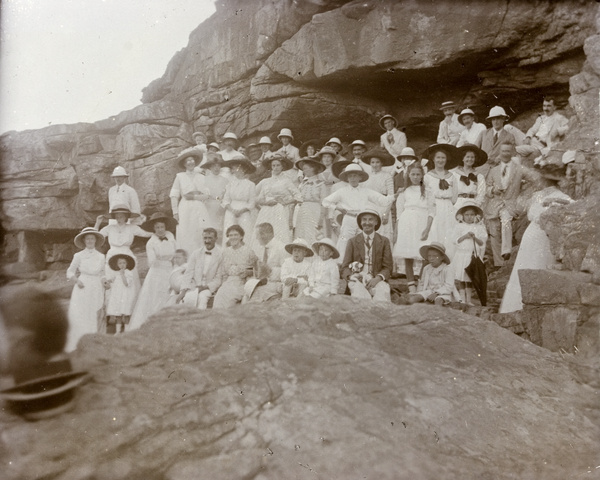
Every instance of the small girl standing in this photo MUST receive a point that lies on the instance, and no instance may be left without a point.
(415, 215)
(324, 275)
(122, 296)
(470, 236)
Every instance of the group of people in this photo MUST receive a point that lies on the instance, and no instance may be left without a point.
(250, 224)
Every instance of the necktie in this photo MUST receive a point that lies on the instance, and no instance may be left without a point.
(368, 259)
(495, 137)
(390, 138)
(265, 256)
(207, 253)
(504, 169)
(444, 185)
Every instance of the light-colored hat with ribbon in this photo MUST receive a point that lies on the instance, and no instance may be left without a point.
(285, 132)
(79, 240)
(230, 136)
(449, 104)
(463, 113)
(335, 140)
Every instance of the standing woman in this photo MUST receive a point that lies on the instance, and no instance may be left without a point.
(239, 200)
(311, 214)
(237, 264)
(215, 189)
(87, 299)
(470, 185)
(382, 182)
(160, 250)
(326, 156)
(188, 195)
(276, 197)
(441, 186)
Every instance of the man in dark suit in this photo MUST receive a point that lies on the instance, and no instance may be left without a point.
(373, 251)
(490, 140)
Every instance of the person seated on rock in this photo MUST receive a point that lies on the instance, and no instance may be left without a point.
(490, 140)
(472, 129)
(271, 254)
(393, 140)
(202, 277)
(176, 282)
(336, 144)
(450, 128)
(324, 274)
(437, 281)
(375, 254)
(294, 270)
(265, 145)
(200, 143)
(545, 132)
(122, 194)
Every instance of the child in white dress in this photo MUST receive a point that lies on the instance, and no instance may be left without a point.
(470, 237)
(176, 276)
(122, 295)
(295, 269)
(324, 277)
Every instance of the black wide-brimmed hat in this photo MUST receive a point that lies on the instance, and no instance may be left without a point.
(450, 150)
(168, 220)
(112, 262)
(382, 154)
(480, 156)
(318, 166)
(242, 162)
(286, 163)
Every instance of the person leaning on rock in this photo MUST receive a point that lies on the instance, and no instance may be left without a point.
(373, 251)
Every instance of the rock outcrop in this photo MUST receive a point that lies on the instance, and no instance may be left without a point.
(313, 390)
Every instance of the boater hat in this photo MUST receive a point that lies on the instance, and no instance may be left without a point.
(381, 120)
(386, 159)
(450, 150)
(408, 152)
(466, 111)
(285, 162)
(480, 156)
(112, 261)
(212, 159)
(448, 105)
(299, 243)
(242, 162)
(285, 132)
(338, 167)
(328, 242)
(122, 208)
(318, 166)
(169, 221)
(79, 240)
(354, 168)
(119, 172)
(469, 205)
(195, 154)
(368, 211)
(497, 112)
(436, 246)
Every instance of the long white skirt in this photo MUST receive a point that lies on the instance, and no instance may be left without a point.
(278, 216)
(86, 309)
(154, 294)
(307, 221)
(411, 224)
(193, 219)
(443, 225)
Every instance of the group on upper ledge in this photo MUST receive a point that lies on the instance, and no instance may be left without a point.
(250, 224)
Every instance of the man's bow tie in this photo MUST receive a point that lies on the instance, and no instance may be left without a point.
(163, 239)
(207, 253)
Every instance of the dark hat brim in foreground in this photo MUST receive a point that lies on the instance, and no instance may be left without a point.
(169, 221)
(450, 150)
(112, 262)
(480, 155)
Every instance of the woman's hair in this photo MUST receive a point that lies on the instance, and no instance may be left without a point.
(407, 178)
(182, 251)
(235, 228)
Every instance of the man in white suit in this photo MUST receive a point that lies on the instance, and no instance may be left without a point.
(202, 278)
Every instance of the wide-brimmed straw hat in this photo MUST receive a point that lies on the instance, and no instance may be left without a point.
(449, 104)
(265, 141)
(436, 246)
(496, 112)
(328, 242)
(183, 156)
(408, 152)
(112, 261)
(168, 220)
(480, 156)
(211, 159)
(469, 205)
(368, 211)
(252, 284)
(312, 142)
(381, 120)
(285, 132)
(318, 166)
(285, 162)
(122, 208)
(79, 239)
(119, 172)
(299, 243)
(354, 168)
(386, 159)
(242, 162)
(450, 150)
(325, 150)
(339, 166)
(466, 111)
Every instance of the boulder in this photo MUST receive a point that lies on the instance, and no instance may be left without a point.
(327, 389)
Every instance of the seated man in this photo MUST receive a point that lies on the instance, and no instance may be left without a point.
(271, 254)
(374, 252)
(201, 279)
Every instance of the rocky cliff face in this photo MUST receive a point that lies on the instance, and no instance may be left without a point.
(321, 67)
(314, 389)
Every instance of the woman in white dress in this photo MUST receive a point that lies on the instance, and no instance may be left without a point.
(276, 197)
(239, 200)
(442, 186)
(87, 299)
(188, 194)
(215, 189)
(327, 156)
(311, 214)
(534, 250)
(470, 185)
(160, 251)
(382, 182)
